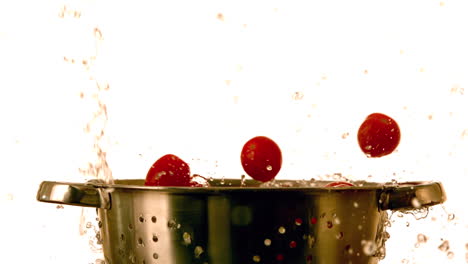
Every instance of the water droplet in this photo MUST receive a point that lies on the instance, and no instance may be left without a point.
(269, 168)
(58, 206)
(444, 246)
(140, 241)
(267, 242)
(339, 235)
(415, 202)
(187, 238)
(466, 246)
(130, 226)
(407, 224)
(153, 219)
(292, 244)
(100, 224)
(359, 227)
(141, 219)
(256, 258)
(89, 225)
(198, 251)
(298, 221)
(281, 230)
(345, 135)
(451, 217)
(450, 255)
(132, 258)
(368, 147)
(337, 221)
(155, 255)
(172, 224)
(310, 241)
(349, 249)
(329, 224)
(297, 96)
(422, 238)
(155, 238)
(122, 237)
(368, 247)
(356, 205)
(242, 183)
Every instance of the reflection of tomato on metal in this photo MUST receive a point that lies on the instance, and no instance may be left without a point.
(339, 184)
(261, 158)
(378, 135)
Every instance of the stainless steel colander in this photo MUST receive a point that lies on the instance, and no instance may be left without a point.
(227, 223)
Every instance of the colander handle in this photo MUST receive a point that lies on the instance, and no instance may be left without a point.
(412, 195)
(80, 194)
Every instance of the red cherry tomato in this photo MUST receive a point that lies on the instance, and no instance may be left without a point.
(169, 170)
(339, 184)
(261, 158)
(378, 135)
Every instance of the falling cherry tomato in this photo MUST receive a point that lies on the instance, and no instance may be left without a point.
(378, 135)
(339, 184)
(261, 158)
(169, 170)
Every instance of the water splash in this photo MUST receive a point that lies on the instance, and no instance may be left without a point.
(97, 167)
(382, 235)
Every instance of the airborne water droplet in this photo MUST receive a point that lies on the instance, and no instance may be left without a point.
(444, 246)
(267, 242)
(269, 168)
(451, 217)
(422, 238)
(256, 258)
